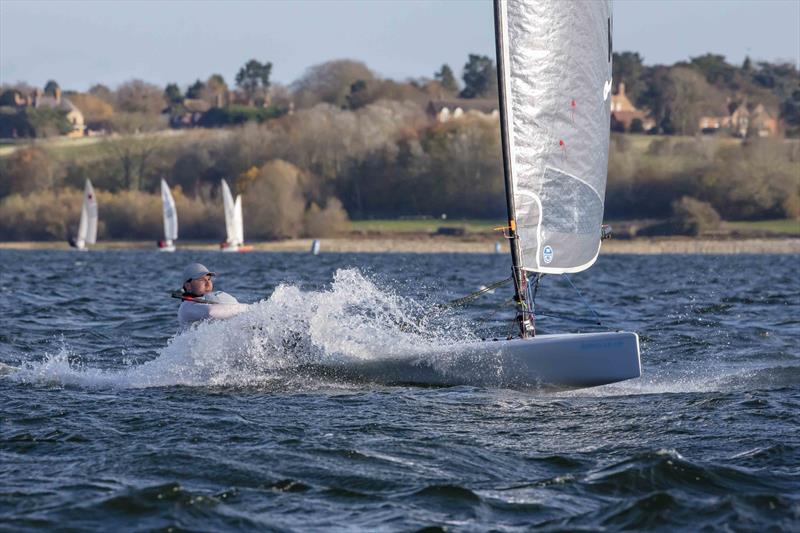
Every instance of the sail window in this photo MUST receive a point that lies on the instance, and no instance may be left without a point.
(569, 204)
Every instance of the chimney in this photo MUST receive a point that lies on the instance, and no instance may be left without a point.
(37, 96)
(57, 95)
(621, 89)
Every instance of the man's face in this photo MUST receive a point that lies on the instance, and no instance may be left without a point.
(200, 286)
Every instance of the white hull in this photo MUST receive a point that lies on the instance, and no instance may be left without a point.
(548, 361)
(169, 248)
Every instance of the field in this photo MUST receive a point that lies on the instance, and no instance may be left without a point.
(781, 227)
(426, 225)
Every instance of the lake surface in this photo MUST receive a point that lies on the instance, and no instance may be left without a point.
(114, 422)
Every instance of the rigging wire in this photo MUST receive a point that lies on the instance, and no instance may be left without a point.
(599, 323)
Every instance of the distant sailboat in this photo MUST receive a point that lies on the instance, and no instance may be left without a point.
(87, 229)
(170, 219)
(234, 222)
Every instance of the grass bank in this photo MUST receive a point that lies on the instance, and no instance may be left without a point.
(429, 244)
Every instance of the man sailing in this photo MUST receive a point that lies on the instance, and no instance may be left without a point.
(200, 301)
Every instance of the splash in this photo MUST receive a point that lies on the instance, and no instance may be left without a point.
(277, 339)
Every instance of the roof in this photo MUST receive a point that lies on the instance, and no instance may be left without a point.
(196, 105)
(51, 102)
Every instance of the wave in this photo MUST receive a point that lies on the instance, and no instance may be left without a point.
(694, 378)
(294, 338)
(284, 339)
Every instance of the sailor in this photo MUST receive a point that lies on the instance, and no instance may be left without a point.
(200, 301)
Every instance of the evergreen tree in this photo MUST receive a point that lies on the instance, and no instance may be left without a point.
(446, 78)
(50, 88)
(480, 77)
(253, 76)
(172, 93)
(195, 90)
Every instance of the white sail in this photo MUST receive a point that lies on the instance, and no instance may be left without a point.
(557, 85)
(230, 213)
(87, 228)
(238, 220)
(170, 214)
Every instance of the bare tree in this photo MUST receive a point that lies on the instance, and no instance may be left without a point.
(137, 96)
(274, 202)
(330, 82)
(135, 148)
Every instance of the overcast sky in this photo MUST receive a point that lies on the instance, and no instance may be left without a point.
(80, 43)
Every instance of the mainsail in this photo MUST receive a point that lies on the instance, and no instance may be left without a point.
(555, 77)
(230, 214)
(170, 214)
(87, 228)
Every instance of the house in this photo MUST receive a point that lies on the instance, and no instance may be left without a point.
(37, 99)
(743, 120)
(623, 112)
(762, 122)
(188, 113)
(444, 110)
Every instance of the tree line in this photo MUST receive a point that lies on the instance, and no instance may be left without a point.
(386, 159)
(368, 149)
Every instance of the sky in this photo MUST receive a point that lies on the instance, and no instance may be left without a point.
(80, 43)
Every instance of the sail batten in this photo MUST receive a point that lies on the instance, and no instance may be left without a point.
(556, 83)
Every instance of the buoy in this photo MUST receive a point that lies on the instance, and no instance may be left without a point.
(315, 247)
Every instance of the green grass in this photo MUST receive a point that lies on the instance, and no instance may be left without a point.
(785, 226)
(64, 149)
(424, 226)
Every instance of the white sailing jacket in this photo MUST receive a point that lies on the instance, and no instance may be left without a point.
(226, 306)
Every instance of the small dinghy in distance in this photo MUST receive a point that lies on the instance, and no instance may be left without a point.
(170, 219)
(87, 228)
(554, 112)
(234, 222)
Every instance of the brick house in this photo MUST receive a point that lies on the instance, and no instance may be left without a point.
(623, 112)
(743, 120)
(38, 99)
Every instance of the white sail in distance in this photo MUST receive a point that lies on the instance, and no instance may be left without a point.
(230, 214)
(238, 219)
(557, 87)
(87, 228)
(170, 214)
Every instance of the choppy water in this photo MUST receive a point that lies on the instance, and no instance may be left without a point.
(113, 423)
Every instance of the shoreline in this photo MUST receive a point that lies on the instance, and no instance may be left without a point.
(439, 244)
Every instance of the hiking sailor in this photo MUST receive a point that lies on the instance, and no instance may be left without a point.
(200, 301)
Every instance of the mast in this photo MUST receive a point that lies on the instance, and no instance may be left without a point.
(520, 278)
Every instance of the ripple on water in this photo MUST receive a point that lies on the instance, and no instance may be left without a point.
(116, 423)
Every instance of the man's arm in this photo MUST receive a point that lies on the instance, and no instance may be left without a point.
(221, 311)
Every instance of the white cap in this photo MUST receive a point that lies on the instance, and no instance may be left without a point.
(194, 271)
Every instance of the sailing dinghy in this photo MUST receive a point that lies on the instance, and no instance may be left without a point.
(234, 223)
(554, 75)
(87, 228)
(170, 219)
